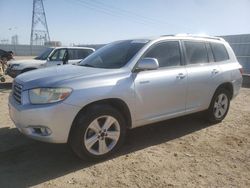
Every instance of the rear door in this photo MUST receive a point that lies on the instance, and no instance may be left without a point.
(202, 74)
(76, 55)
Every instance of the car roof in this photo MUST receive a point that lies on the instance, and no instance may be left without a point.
(184, 37)
(74, 47)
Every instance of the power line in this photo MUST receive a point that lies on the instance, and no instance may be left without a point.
(153, 20)
(112, 13)
(128, 14)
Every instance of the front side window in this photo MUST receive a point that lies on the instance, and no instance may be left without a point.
(167, 53)
(114, 55)
(58, 55)
(196, 52)
(219, 51)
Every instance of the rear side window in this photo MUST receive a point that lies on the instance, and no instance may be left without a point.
(196, 52)
(78, 53)
(219, 51)
(167, 54)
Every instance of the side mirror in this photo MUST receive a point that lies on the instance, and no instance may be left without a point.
(148, 64)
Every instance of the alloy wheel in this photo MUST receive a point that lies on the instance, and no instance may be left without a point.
(102, 135)
(220, 105)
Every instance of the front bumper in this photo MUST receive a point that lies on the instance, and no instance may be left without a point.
(13, 73)
(58, 118)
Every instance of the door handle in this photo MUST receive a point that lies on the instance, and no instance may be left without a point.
(180, 76)
(215, 71)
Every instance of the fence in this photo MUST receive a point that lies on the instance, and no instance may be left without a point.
(27, 50)
(23, 50)
(241, 47)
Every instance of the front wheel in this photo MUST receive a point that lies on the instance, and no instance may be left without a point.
(98, 132)
(219, 106)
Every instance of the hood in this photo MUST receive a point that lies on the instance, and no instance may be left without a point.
(49, 77)
(27, 61)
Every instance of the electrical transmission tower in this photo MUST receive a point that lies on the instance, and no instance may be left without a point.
(39, 28)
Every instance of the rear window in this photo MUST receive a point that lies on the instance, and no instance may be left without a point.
(196, 52)
(219, 51)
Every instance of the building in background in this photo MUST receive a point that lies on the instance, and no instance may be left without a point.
(241, 47)
(53, 43)
(14, 40)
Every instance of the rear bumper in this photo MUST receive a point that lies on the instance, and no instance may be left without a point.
(58, 118)
(236, 86)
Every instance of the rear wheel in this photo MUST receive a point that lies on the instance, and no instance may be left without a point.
(219, 106)
(98, 132)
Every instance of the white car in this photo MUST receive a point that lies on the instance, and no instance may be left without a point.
(50, 57)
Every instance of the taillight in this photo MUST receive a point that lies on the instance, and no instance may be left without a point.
(241, 71)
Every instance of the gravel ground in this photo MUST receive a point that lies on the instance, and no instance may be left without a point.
(183, 152)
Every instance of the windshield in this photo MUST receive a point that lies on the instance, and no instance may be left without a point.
(114, 55)
(45, 54)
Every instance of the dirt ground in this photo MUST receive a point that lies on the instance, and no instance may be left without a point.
(183, 152)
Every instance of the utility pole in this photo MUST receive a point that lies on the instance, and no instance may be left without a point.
(39, 28)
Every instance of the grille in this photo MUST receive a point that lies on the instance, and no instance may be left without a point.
(17, 92)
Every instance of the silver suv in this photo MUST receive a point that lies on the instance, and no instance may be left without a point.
(123, 85)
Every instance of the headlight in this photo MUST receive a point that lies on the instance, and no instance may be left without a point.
(48, 95)
(14, 66)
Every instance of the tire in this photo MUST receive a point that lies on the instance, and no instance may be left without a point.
(219, 106)
(97, 132)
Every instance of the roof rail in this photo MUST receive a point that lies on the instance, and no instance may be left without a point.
(171, 35)
(200, 36)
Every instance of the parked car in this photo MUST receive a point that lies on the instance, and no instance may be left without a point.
(4, 58)
(50, 57)
(7, 55)
(124, 85)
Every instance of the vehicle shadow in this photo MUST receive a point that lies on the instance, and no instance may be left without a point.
(24, 162)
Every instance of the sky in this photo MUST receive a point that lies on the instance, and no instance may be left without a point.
(102, 21)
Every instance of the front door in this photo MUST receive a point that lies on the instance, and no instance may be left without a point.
(57, 58)
(162, 92)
